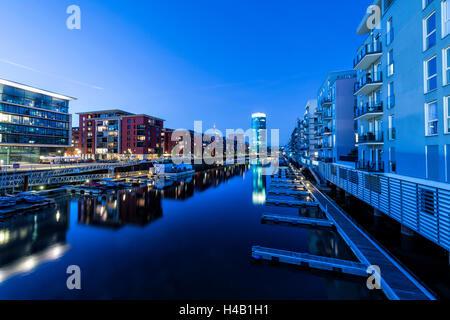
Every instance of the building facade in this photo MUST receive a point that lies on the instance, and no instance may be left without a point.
(259, 127)
(403, 92)
(116, 134)
(34, 123)
(336, 132)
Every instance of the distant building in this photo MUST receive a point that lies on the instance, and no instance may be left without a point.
(34, 123)
(166, 141)
(336, 131)
(259, 139)
(76, 138)
(114, 134)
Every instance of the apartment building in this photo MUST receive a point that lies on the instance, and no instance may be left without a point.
(114, 134)
(403, 92)
(336, 134)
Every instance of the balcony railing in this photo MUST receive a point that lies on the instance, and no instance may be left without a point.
(368, 83)
(327, 114)
(373, 49)
(371, 138)
(368, 109)
(326, 101)
(370, 166)
(326, 130)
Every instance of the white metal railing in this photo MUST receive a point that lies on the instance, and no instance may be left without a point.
(422, 208)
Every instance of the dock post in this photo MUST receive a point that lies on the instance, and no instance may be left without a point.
(407, 238)
(378, 218)
(348, 199)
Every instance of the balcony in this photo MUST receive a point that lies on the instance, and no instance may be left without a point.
(369, 83)
(371, 139)
(327, 145)
(327, 115)
(325, 159)
(370, 166)
(326, 131)
(326, 102)
(369, 111)
(367, 56)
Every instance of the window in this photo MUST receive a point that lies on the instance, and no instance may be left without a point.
(446, 65)
(391, 128)
(445, 18)
(430, 74)
(431, 119)
(426, 3)
(391, 97)
(429, 31)
(447, 114)
(389, 32)
(390, 63)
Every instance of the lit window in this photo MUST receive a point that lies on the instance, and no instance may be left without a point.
(430, 72)
(431, 119)
(429, 31)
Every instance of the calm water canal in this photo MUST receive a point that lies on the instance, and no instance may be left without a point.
(191, 241)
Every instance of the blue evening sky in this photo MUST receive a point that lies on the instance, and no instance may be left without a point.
(183, 60)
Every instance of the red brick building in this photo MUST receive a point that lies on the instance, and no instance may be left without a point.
(115, 134)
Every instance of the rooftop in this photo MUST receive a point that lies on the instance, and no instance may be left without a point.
(259, 115)
(121, 113)
(36, 90)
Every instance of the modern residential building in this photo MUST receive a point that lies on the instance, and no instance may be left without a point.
(402, 118)
(34, 123)
(369, 109)
(114, 134)
(259, 139)
(336, 133)
(403, 109)
(312, 126)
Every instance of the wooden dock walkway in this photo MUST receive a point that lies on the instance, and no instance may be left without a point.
(396, 282)
(296, 220)
(308, 260)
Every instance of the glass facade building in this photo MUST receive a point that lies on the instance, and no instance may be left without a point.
(33, 123)
(259, 127)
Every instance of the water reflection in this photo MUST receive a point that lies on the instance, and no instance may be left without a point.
(138, 207)
(141, 206)
(259, 185)
(27, 241)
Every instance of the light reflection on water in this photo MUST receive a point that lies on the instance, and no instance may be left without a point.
(191, 240)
